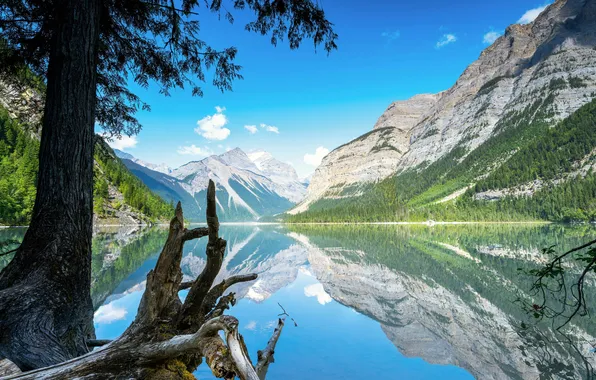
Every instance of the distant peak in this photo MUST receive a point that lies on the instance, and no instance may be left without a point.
(235, 150)
(259, 155)
(123, 155)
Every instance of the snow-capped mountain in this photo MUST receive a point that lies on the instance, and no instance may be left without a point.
(280, 173)
(162, 168)
(249, 186)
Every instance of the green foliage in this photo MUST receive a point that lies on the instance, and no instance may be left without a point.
(551, 154)
(154, 42)
(19, 163)
(136, 193)
(557, 84)
(18, 171)
(100, 193)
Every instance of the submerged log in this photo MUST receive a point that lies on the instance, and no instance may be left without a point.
(169, 338)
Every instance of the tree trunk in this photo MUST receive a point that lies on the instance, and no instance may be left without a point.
(45, 305)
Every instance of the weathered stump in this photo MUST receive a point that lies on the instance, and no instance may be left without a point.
(169, 338)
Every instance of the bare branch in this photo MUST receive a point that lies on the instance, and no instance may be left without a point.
(190, 316)
(195, 233)
(219, 289)
(550, 283)
(8, 368)
(222, 305)
(265, 357)
(285, 313)
(246, 371)
(159, 334)
(122, 351)
(8, 252)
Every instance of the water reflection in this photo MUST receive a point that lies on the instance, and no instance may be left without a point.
(381, 301)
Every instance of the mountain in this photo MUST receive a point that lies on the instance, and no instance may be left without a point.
(162, 168)
(499, 144)
(281, 174)
(249, 185)
(119, 197)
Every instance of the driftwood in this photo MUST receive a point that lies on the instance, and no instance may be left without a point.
(168, 338)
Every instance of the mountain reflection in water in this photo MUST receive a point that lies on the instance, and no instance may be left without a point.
(442, 297)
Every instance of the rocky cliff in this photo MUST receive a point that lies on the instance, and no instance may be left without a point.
(543, 69)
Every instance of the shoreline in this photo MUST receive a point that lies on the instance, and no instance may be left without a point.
(252, 223)
(427, 223)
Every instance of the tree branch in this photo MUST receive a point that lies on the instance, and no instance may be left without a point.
(265, 357)
(185, 285)
(222, 305)
(195, 233)
(219, 289)
(190, 316)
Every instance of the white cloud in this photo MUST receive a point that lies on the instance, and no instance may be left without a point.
(270, 128)
(316, 158)
(193, 150)
(122, 143)
(109, 313)
(212, 127)
(251, 128)
(252, 325)
(270, 325)
(316, 290)
(531, 15)
(490, 37)
(446, 40)
(391, 36)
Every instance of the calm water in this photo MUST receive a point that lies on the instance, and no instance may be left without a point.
(391, 302)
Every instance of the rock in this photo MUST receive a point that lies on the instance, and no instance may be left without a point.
(552, 55)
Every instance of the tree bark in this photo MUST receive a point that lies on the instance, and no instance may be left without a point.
(45, 305)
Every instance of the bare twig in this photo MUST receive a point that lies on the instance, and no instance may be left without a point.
(285, 313)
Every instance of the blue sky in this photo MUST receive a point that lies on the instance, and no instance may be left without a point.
(295, 102)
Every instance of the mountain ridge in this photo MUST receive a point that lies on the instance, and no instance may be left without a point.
(526, 82)
(249, 186)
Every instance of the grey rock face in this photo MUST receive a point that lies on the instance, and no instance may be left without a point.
(405, 114)
(554, 55)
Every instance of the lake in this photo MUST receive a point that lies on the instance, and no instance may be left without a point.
(370, 301)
